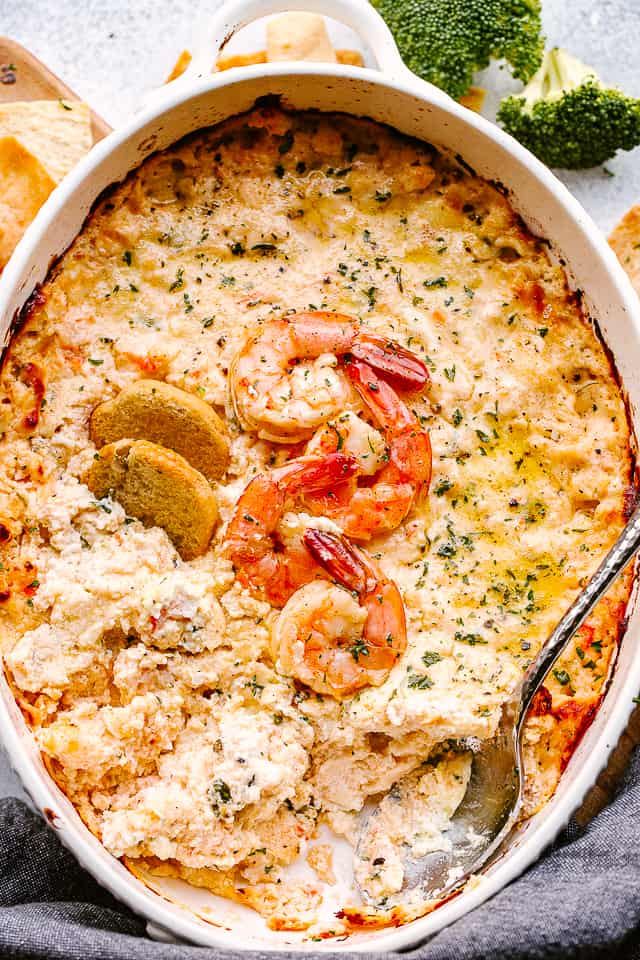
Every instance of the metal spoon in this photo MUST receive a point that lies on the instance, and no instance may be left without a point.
(492, 802)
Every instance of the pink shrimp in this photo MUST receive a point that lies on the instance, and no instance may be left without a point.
(338, 639)
(271, 569)
(285, 381)
(370, 505)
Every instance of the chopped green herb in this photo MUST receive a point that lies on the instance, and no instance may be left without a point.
(178, 283)
(371, 295)
(442, 487)
(562, 677)
(255, 687)
(429, 657)
(447, 549)
(222, 791)
(419, 681)
(473, 639)
(359, 649)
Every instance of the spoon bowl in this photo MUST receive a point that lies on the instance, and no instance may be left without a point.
(492, 803)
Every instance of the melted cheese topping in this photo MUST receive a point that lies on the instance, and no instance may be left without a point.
(149, 681)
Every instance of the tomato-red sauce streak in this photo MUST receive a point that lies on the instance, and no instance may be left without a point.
(32, 378)
(533, 293)
(581, 716)
(541, 704)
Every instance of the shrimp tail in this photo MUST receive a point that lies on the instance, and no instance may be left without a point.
(385, 631)
(381, 399)
(260, 508)
(319, 332)
(399, 366)
(314, 474)
(339, 559)
(251, 542)
(410, 447)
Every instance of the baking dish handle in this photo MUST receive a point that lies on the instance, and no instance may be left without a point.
(235, 14)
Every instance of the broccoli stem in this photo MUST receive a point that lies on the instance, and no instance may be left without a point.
(559, 73)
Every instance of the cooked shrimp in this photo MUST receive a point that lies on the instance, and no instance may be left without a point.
(353, 436)
(338, 639)
(285, 381)
(368, 506)
(271, 569)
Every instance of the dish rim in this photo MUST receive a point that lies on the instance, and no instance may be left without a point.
(16, 285)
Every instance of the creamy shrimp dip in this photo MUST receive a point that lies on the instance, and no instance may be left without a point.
(154, 685)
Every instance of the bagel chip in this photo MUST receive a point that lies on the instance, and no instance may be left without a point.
(156, 411)
(179, 67)
(159, 488)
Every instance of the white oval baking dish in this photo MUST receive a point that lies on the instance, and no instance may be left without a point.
(393, 95)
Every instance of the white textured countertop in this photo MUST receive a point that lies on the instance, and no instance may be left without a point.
(112, 51)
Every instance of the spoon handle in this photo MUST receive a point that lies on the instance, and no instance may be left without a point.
(623, 550)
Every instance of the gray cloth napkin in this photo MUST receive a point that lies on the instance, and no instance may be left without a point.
(580, 900)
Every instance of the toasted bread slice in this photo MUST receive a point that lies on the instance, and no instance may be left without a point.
(158, 487)
(156, 411)
(625, 240)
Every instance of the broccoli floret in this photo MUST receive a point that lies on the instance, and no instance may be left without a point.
(568, 118)
(446, 41)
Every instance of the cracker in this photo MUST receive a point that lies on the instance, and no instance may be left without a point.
(474, 99)
(352, 58)
(57, 132)
(180, 66)
(156, 411)
(299, 36)
(305, 41)
(24, 187)
(159, 488)
(625, 240)
(241, 60)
